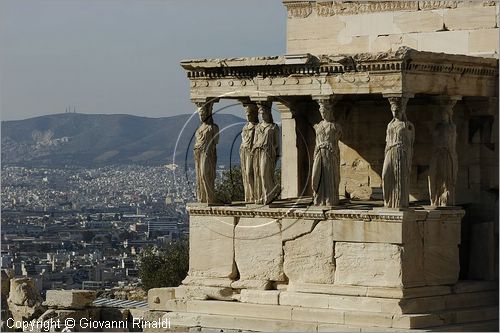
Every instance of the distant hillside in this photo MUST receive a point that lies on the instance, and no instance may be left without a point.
(94, 140)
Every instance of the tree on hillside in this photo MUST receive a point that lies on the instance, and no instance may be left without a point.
(230, 187)
(164, 267)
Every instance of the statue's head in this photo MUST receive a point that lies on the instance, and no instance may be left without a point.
(326, 109)
(265, 111)
(205, 111)
(252, 113)
(398, 107)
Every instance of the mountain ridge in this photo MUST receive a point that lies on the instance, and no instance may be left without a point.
(105, 139)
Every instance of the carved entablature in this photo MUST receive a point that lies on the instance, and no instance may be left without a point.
(330, 8)
(420, 214)
(460, 69)
(368, 216)
(404, 71)
(427, 5)
(302, 9)
(303, 213)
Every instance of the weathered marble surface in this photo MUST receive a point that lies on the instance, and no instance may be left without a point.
(265, 154)
(443, 170)
(258, 250)
(239, 248)
(211, 250)
(310, 258)
(205, 154)
(70, 299)
(326, 161)
(24, 302)
(368, 264)
(327, 26)
(246, 151)
(398, 156)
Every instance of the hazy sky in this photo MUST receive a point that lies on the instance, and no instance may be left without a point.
(122, 56)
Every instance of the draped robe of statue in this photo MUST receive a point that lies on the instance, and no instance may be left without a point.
(246, 160)
(326, 164)
(205, 159)
(265, 153)
(397, 163)
(443, 166)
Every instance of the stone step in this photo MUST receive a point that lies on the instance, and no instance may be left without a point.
(460, 287)
(188, 320)
(467, 286)
(229, 322)
(352, 318)
(449, 317)
(206, 322)
(163, 301)
(340, 302)
(388, 305)
(484, 326)
(369, 291)
(240, 309)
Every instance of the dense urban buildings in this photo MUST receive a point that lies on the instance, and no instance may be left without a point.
(79, 228)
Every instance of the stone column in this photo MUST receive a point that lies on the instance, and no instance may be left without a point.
(325, 174)
(205, 153)
(443, 166)
(246, 150)
(396, 170)
(290, 175)
(265, 151)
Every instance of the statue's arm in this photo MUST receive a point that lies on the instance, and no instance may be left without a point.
(386, 139)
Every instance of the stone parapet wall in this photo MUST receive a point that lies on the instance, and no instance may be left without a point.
(455, 27)
(239, 248)
(360, 268)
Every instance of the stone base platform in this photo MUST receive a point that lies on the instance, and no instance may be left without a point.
(467, 306)
(356, 268)
(242, 248)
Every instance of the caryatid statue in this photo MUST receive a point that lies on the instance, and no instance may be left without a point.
(265, 155)
(396, 171)
(205, 154)
(246, 153)
(326, 164)
(443, 168)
